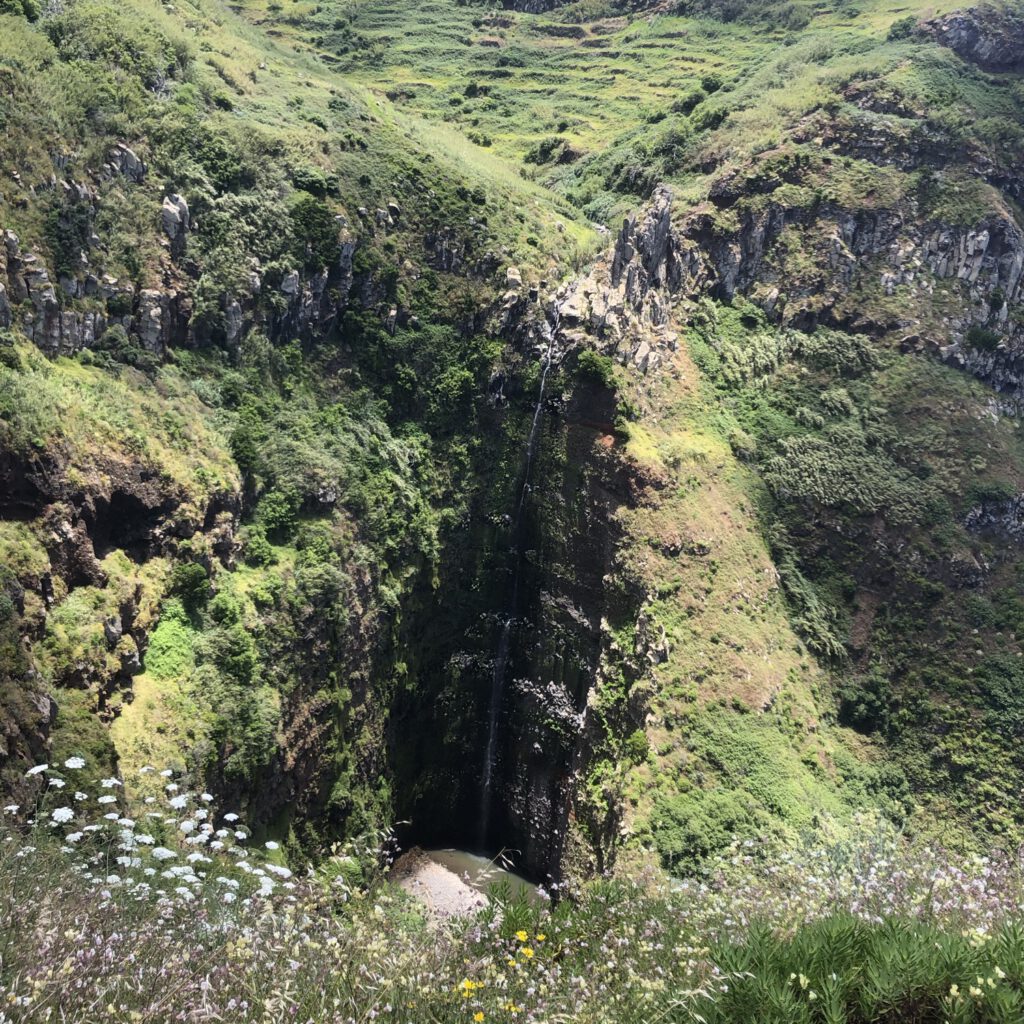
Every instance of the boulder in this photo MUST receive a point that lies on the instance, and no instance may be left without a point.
(174, 218)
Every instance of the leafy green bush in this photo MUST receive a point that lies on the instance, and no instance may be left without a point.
(903, 28)
(315, 231)
(983, 338)
(276, 513)
(191, 584)
(595, 367)
(545, 150)
(29, 9)
(257, 550)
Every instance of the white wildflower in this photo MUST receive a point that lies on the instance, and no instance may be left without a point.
(57, 783)
(37, 769)
(271, 845)
(162, 853)
(62, 814)
(108, 799)
(75, 762)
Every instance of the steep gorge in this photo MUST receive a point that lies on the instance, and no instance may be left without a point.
(350, 473)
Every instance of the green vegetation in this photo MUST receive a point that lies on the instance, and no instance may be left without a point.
(801, 940)
(256, 536)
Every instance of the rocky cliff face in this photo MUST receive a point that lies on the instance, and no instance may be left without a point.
(74, 315)
(626, 302)
(989, 36)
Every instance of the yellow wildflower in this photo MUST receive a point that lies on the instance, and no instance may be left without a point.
(527, 952)
(522, 936)
(478, 1016)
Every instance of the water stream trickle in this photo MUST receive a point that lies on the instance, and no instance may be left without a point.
(501, 655)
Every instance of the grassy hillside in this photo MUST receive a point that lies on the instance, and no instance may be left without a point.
(259, 523)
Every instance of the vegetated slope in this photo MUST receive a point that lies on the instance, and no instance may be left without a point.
(290, 287)
(257, 299)
(850, 172)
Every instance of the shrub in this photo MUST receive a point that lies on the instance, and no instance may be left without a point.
(257, 551)
(315, 231)
(29, 9)
(689, 101)
(169, 654)
(101, 33)
(276, 513)
(314, 181)
(903, 28)
(595, 367)
(545, 150)
(190, 583)
(983, 338)
(711, 82)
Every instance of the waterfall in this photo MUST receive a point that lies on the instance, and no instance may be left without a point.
(501, 655)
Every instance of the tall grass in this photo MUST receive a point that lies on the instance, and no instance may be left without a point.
(173, 915)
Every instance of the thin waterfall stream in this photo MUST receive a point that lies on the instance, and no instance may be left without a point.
(501, 655)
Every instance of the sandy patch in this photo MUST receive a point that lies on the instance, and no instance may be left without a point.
(441, 891)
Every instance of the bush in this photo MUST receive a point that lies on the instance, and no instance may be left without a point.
(544, 151)
(115, 345)
(314, 181)
(102, 34)
(315, 232)
(258, 551)
(983, 338)
(903, 28)
(689, 101)
(276, 513)
(711, 82)
(190, 583)
(595, 367)
(26, 8)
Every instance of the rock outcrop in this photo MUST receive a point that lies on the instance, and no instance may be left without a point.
(991, 37)
(75, 317)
